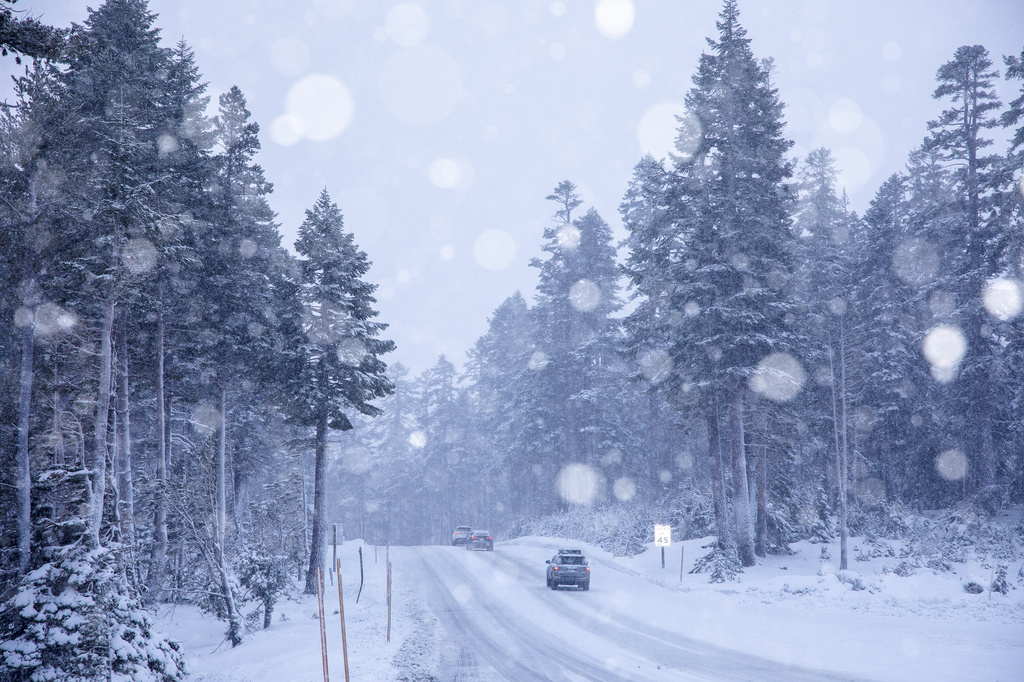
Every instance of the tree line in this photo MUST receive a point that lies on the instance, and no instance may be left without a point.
(167, 366)
(755, 361)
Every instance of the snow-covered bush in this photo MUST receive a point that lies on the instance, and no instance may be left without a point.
(973, 588)
(75, 619)
(721, 565)
(266, 578)
(999, 582)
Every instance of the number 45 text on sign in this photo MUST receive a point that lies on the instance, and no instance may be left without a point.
(662, 538)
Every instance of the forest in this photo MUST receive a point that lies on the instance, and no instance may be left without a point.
(188, 406)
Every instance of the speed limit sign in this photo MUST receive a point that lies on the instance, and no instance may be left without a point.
(662, 535)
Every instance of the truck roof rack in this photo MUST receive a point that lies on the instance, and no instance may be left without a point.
(570, 551)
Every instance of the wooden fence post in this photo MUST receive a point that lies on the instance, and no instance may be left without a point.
(341, 610)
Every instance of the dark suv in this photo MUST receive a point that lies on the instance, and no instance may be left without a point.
(568, 567)
(480, 539)
(461, 535)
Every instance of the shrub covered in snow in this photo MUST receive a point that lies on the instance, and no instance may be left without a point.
(75, 619)
(721, 565)
(266, 579)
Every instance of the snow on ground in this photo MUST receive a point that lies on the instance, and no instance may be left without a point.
(790, 609)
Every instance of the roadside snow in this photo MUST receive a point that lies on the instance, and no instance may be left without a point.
(796, 609)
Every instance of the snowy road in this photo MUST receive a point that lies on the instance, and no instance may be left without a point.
(501, 622)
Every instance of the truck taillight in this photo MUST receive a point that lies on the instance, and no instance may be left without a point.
(555, 569)
(588, 569)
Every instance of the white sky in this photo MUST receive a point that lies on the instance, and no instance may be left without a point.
(439, 126)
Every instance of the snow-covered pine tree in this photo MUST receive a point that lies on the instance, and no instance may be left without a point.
(957, 136)
(728, 248)
(341, 369)
(577, 293)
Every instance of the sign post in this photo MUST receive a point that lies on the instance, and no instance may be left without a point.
(662, 538)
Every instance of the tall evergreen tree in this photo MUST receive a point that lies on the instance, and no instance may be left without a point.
(729, 248)
(957, 135)
(341, 366)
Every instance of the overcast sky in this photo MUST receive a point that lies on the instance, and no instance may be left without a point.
(439, 126)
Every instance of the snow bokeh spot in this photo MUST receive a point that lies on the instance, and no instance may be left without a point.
(420, 86)
(462, 593)
(167, 144)
(891, 51)
(665, 476)
(667, 128)
(50, 319)
(578, 483)
(655, 365)
(684, 461)
(568, 237)
(407, 25)
(447, 252)
(624, 489)
(537, 361)
(943, 347)
(322, 105)
(558, 8)
(612, 457)
(614, 18)
(206, 419)
(837, 306)
(494, 249)
(1003, 298)
(418, 439)
(139, 256)
(951, 465)
(286, 130)
(778, 377)
(584, 295)
(691, 309)
(1020, 185)
(351, 352)
(915, 262)
(845, 116)
(255, 329)
(444, 173)
(247, 248)
(641, 79)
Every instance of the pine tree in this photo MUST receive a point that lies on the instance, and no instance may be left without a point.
(957, 136)
(576, 295)
(727, 248)
(341, 366)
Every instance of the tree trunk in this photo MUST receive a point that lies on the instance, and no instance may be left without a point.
(222, 451)
(158, 567)
(740, 490)
(717, 478)
(844, 460)
(761, 528)
(125, 482)
(24, 470)
(235, 625)
(316, 551)
(97, 465)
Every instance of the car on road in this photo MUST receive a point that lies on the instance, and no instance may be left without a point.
(480, 539)
(568, 567)
(461, 535)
